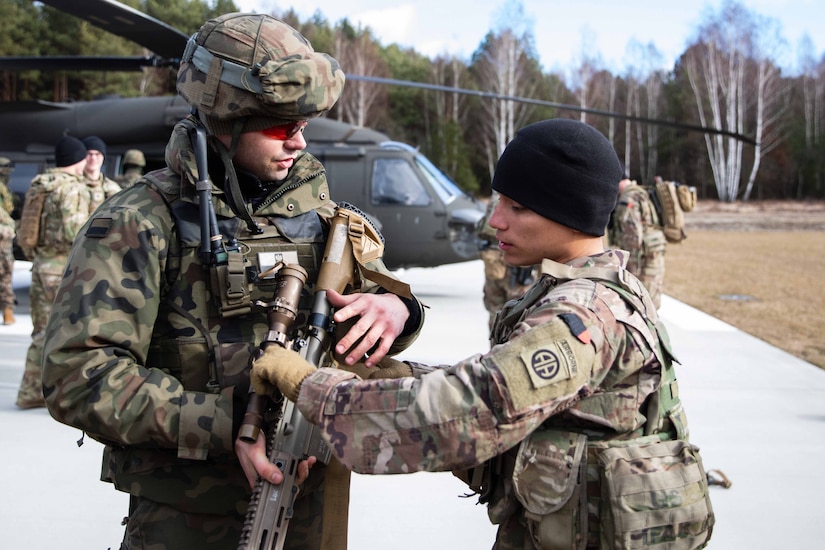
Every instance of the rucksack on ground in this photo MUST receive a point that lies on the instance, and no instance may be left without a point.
(671, 200)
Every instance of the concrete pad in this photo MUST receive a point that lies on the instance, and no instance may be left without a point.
(756, 412)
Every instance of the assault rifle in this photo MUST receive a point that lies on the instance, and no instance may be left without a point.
(292, 437)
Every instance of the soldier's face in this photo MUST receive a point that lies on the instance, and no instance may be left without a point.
(94, 160)
(526, 238)
(270, 159)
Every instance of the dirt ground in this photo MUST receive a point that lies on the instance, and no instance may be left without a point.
(757, 266)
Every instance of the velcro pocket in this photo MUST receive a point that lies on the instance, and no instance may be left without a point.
(654, 494)
(547, 469)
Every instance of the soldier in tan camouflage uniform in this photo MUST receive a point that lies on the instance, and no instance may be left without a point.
(635, 227)
(134, 162)
(147, 352)
(7, 230)
(67, 203)
(99, 182)
(502, 282)
(570, 427)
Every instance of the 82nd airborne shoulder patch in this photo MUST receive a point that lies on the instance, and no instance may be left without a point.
(547, 362)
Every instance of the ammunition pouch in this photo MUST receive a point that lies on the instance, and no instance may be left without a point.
(653, 494)
(549, 482)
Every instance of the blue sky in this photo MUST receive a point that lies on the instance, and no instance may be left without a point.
(562, 28)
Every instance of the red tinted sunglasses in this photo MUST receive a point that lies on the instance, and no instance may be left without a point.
(284, 132)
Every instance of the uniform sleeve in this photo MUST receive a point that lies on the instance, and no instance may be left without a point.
(454, 417)
(95, 374)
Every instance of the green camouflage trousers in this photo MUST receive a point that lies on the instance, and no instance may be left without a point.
(155, 526)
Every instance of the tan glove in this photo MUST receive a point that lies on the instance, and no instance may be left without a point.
(391, 368)
(279, 368)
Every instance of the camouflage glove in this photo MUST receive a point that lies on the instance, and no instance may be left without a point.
(391, 368)
(281, 369)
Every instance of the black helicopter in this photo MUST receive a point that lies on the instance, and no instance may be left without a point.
(426, 219)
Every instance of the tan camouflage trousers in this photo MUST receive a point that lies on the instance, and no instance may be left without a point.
(6, 271)
(45, 282)
(500, 282)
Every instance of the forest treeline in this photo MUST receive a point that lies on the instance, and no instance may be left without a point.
(727, 79)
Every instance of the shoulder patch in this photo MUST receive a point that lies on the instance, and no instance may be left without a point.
(576, 326)
(544, 364)
(99, 228)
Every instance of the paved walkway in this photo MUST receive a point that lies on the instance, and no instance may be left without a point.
(757, 413)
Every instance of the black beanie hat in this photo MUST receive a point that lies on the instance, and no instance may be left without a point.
(68, 151)
(563, 169)
(94, 142)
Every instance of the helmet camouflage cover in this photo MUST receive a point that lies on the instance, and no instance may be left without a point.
(134, 156)
(255, 66)
(6, 166)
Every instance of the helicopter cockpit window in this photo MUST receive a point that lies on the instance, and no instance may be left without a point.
(394, 181)
(446, 189)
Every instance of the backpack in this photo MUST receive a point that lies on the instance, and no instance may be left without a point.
(28, 233)
(671, 200)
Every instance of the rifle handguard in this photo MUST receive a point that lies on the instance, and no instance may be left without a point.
(279, 369)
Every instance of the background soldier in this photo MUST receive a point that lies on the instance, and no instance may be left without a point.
(57, 204)
(157, 363)
(574, 411)
(7, 230)
(502, 282)
(102, 186)
(635, 227)
(133, 164)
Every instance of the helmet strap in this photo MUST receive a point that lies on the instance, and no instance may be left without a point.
(231, 186)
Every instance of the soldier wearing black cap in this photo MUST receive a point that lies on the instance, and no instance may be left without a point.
(7, 229)
(101, 185)
(570, 427)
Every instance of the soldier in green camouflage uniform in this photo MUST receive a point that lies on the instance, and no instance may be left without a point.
(570, 427)
(147, 352)
(502, 282)
(7, 229)
(635, 227)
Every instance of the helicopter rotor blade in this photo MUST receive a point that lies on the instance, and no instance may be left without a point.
(82, 63)
(562, 106)
(121, 20)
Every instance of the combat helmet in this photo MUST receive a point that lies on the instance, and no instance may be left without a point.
(134, 157)
(257, 68)
(6, 166)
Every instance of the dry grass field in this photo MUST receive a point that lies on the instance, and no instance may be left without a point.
(758, 266)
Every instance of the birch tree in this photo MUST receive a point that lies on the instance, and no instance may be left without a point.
(582, 77)
(357, 52)
(645, 87)
(730, 74)
(813, 88)
(505, 64)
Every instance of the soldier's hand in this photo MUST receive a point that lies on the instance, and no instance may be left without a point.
(381, 318)
(391, 368)
(279, 368)
(254, 463)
